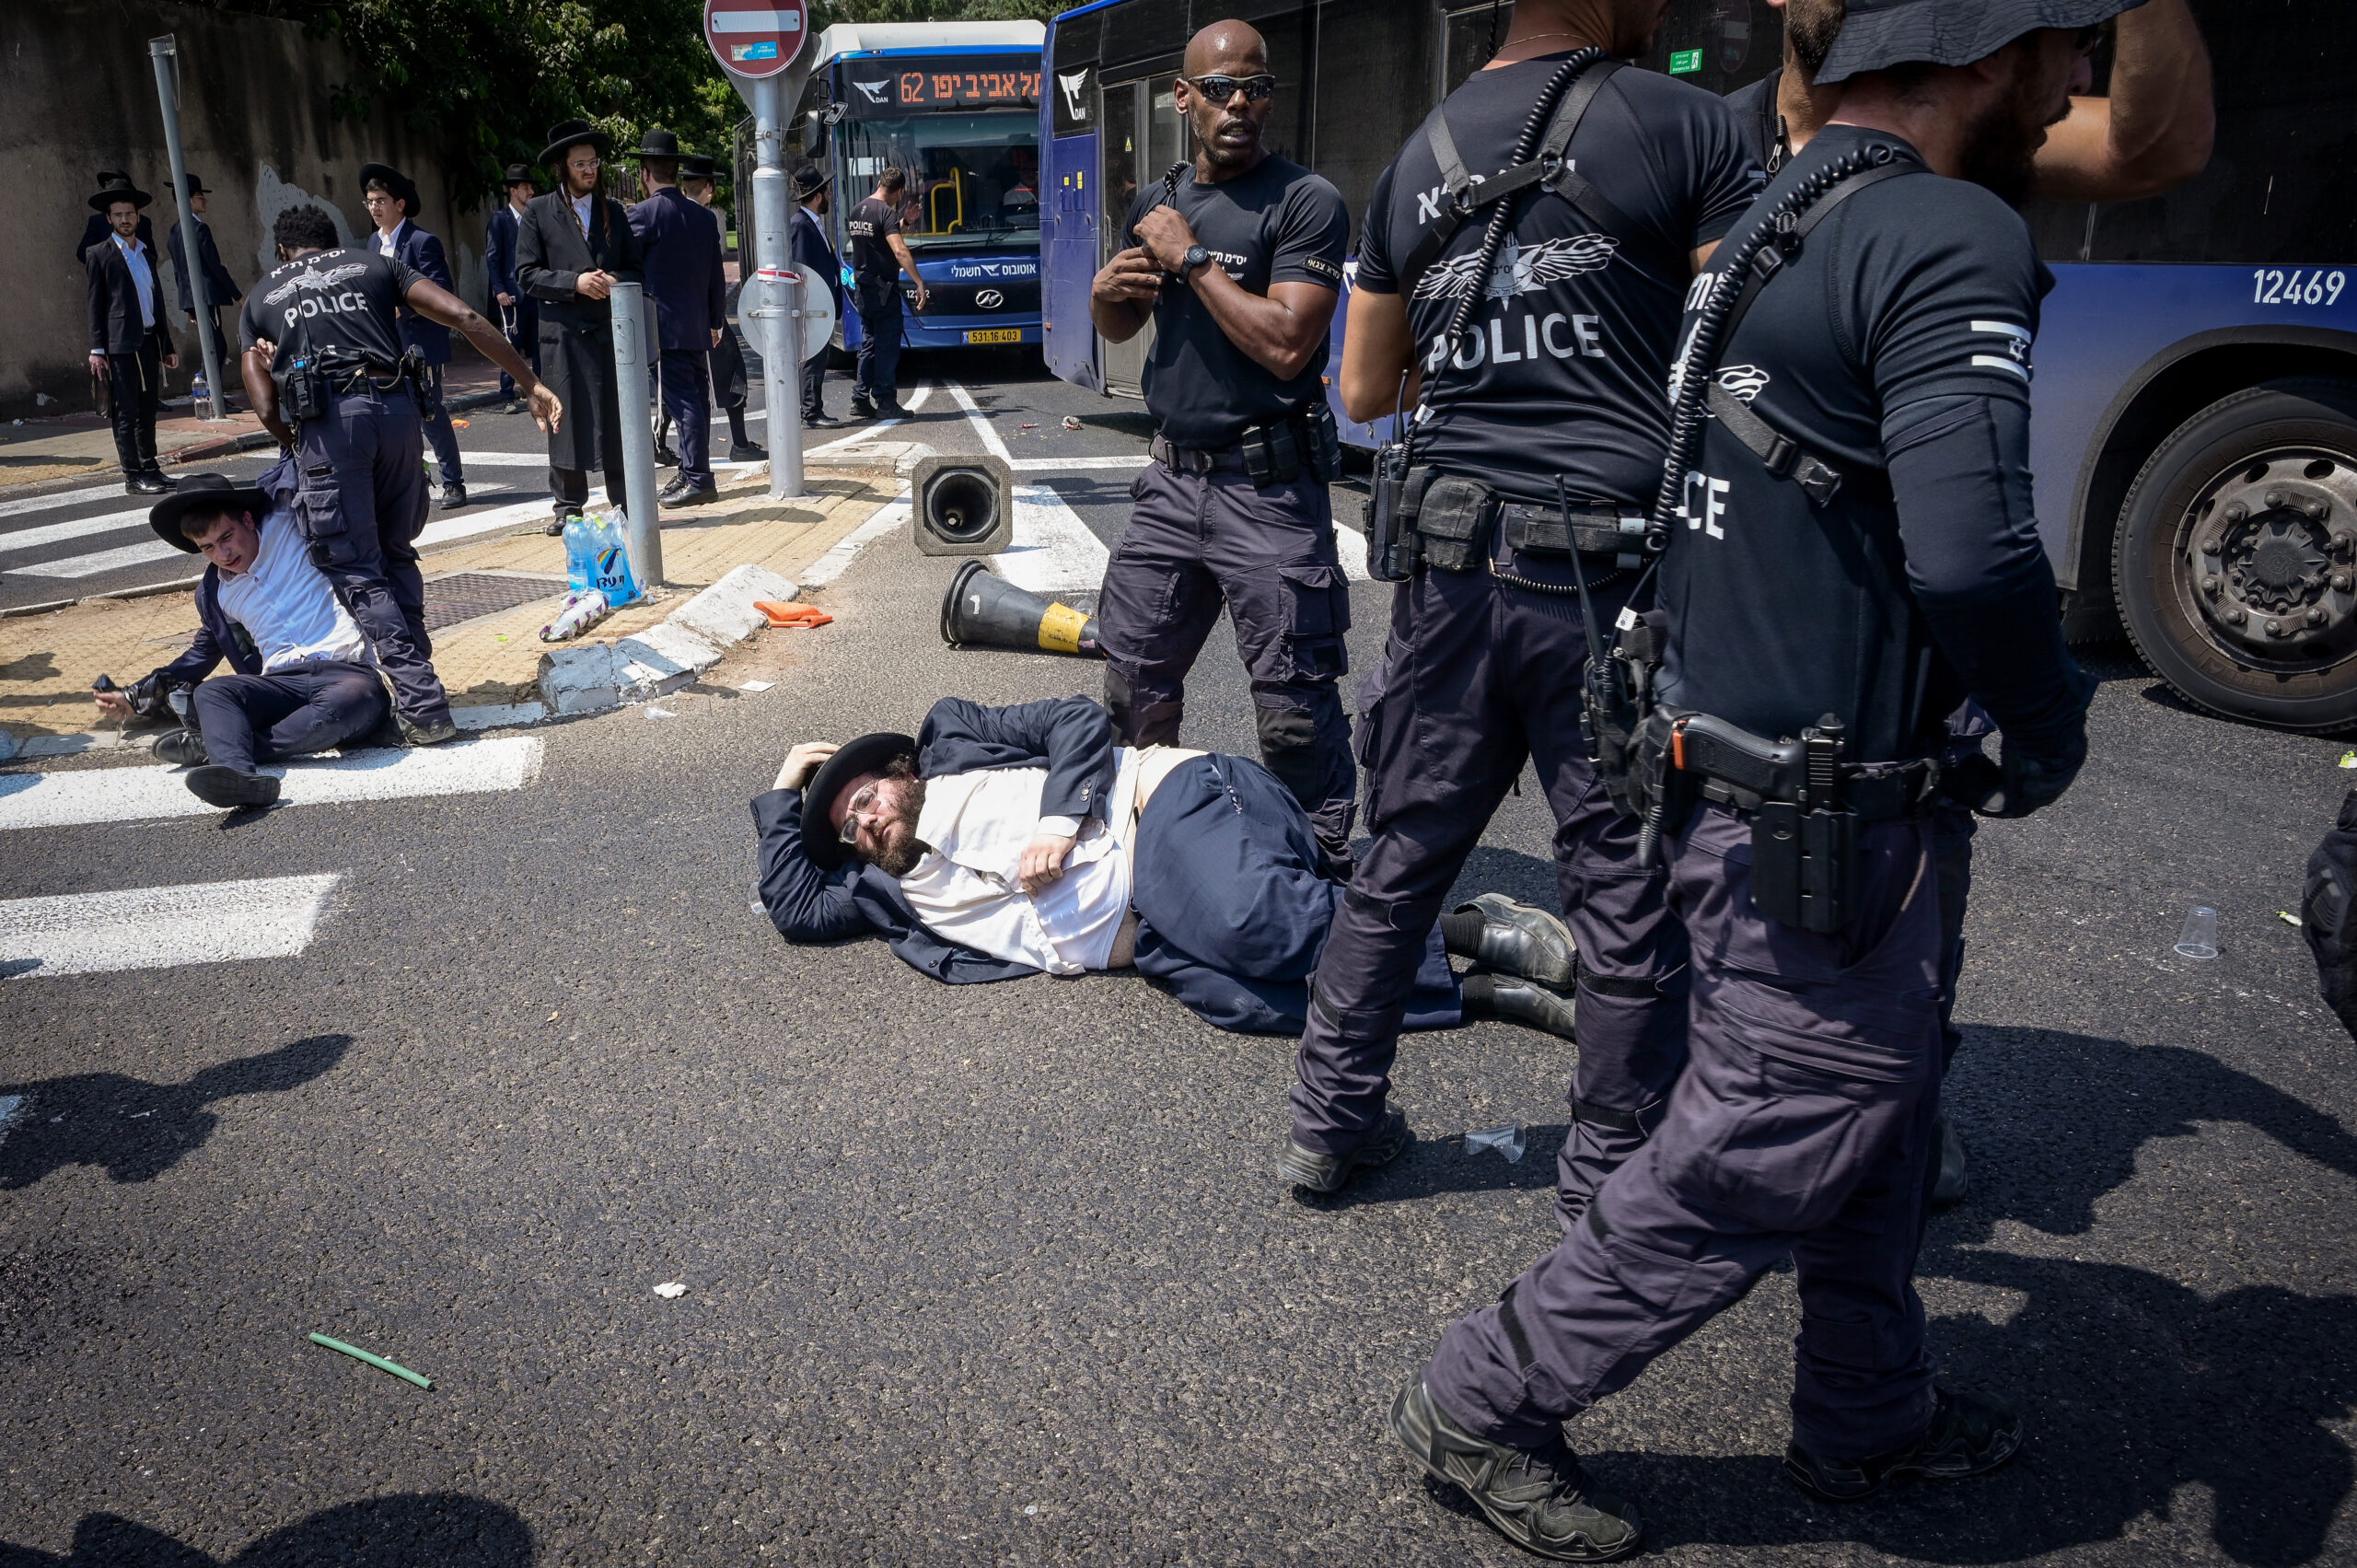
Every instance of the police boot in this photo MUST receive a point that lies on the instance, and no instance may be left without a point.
(1516, 937)
(1540, 1499)
(454, 497)
(182, 748)
(229, 788)
(1384, 1141)
(432, 733)
(1970, 1434)
(1515, 1000)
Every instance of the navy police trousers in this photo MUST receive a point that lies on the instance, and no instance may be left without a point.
(1195, 541)
(363, 504)
(1478, 677)
(1801, 1126)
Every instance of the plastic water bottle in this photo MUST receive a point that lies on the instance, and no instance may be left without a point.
(580, 554)
(610, 571)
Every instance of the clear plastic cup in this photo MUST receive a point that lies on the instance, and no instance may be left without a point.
(1506, 1140)
(2199, 938)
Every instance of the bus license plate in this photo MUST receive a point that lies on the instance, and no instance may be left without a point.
(995, 335)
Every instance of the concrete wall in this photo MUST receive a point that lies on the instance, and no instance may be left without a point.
(77, 93)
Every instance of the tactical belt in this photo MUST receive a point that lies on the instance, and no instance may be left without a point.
(1279, 452)
(1452, 521)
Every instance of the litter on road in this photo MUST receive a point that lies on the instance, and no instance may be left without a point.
(378, 1362)
(800, 615)
(671, 1290)
(2288, 918)
(756, 685)
(1506, 1140)
(2198, 939)
(661, 714)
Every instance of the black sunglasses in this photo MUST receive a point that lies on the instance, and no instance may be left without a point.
(1223, 90)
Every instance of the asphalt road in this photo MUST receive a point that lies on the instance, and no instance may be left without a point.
(1003, 1273)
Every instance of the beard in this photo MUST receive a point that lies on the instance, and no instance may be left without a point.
(1812, 25)
(2001, 149)
(898, 847)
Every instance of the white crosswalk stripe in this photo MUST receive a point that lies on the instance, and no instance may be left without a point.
(133, 794)
(151, 549)
(1053, 551)
(59, 498)
(80, 527)
(141, 928)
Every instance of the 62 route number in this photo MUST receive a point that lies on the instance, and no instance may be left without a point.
(2269, 286)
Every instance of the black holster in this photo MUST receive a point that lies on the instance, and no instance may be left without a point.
(1282, 450)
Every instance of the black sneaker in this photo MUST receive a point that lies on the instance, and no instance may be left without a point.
(862, 409)
(1515, 1000)
(182, 748)
(1520, 939)
(746, 452)
(229, 788)
(1384, 1141)
(1540, 1499)
(1948, 1187)
(454, 496)
(1970, 1434)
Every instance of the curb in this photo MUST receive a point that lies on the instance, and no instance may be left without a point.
(667, 656)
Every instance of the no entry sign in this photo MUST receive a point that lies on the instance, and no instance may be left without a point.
(755, 40)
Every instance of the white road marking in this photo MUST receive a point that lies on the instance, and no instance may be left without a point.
(892, 514)
(61, 498)
(974, 416)
(1076, 465)
(149, 928)
(104, 560)
(464, 525)
(133, 794)
(1053, 552)
(80, 527)
(1351, 545)
(915, 402)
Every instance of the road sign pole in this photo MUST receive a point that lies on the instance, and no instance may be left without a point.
(644, 532)
(165, 52)
(781, 293)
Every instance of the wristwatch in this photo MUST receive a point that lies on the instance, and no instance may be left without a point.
(1196, 256)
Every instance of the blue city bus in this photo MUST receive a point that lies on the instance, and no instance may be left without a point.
(2195, 433)
(957, 106)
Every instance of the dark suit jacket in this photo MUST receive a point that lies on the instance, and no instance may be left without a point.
(552, 254)
(813, 253)
(681, 238)
(1070, 736)
(423, 251)
(499, 254)
(223, 287)
(96, 230)
(114, 302)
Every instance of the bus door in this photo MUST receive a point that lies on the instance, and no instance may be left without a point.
(1141, 137)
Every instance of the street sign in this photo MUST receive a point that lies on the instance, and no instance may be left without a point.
(755, 40)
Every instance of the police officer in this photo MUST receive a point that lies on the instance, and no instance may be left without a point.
(1237, 258)
(2152, 131)
(1853, 550)
(393, 205)
(814, 257)
(220, 287)
(727, 361)
(520, 316)
(328, 374)
(680, 240)
(572, 246)
(1539, 360)
(879, 257)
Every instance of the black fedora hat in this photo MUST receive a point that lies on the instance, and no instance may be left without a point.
(116, 188)
(808, 180)
(1878, 34)
(403, 187)
(658, 142)
(196, 185)
(868, 754)
(698, 166)
(209, 492)
(573, 133)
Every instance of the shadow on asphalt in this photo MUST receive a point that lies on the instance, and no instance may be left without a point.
(138, 1130)
(408, 1530)
(1440, 1163)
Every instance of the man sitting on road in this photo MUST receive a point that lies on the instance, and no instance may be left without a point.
(1005, 841)
(304, 680)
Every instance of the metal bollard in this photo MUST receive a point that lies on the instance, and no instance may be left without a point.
(645, 534)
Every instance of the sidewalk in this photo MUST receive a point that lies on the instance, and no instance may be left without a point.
(81, 445)
(48, 661)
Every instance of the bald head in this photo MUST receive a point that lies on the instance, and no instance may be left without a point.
(1234, 49)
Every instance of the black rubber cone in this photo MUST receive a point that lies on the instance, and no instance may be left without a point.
(982, 610)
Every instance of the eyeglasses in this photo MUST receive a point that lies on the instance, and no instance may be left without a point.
(1223, 90)
(861, 801)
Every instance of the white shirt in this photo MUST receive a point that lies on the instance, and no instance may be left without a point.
(286, 605)
(581, 209)
(966, 891)
(143, 276)
(387, 244)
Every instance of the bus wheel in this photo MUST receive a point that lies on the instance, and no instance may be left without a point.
(2236, 560)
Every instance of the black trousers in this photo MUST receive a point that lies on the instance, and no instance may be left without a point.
(136, 383)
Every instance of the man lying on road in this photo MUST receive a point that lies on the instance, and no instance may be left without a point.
(1005, 841)
(305, 679)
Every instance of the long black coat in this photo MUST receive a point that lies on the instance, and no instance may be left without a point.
(576, 334)
(114, 302)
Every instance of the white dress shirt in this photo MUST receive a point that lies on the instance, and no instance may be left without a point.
(386, 244)
(286, 605)
(143, 277)
(967, 889)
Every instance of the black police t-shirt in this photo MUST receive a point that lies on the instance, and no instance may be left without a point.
(1276, 223)
(1781, 610)
(1561, 368)
(871, 226)
(1756, 117)
(340, 304)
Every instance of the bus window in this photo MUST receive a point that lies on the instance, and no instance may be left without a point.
(1144, 29)
(971, 176)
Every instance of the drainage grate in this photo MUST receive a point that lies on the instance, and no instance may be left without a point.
(463, 595)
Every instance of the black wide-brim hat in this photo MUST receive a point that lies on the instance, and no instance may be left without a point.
(196, 186)
(118, 189)
(809, 179)
(403, 187)
(658, 144)
(1878, 34)
(520, 174)
(571, 133)
(868, 754)
(698, 166)
(211, 491)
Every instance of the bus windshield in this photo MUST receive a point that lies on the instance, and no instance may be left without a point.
(973, 179)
